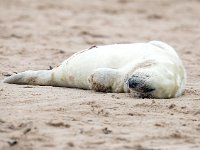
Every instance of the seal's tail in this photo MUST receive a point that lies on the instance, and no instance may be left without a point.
(41, 77)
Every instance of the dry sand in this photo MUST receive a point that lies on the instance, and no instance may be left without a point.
(36, 34)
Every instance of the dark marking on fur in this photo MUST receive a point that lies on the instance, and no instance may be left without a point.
(50, 68)
(32, 80)
(94, 46)
(98, 87)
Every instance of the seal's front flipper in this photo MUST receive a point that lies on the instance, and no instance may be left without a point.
(106, 80)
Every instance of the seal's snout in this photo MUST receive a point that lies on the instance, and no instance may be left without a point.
(133, 83)
(140, 83)
(137, 80)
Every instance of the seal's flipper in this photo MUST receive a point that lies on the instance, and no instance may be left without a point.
(106, 80)
(41, 77)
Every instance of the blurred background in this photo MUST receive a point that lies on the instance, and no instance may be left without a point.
(44, 32)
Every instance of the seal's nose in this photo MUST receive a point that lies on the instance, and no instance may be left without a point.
(139, 83)
(133, 83)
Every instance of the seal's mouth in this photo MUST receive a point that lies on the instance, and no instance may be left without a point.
(145, 89)
(139, 94)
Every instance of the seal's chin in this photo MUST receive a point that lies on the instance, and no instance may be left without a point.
(140, 94)
(143, 91)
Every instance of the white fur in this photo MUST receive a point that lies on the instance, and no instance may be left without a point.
(110, 68)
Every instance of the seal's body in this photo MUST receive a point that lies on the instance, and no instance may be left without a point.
(150, 69)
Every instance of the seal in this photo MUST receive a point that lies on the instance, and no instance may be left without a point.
(147, 70)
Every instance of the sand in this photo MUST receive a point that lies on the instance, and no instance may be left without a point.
(36, 34)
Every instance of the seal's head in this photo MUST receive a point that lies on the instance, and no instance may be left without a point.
(158, 81)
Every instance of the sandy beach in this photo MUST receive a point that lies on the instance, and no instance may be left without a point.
(36, 34)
